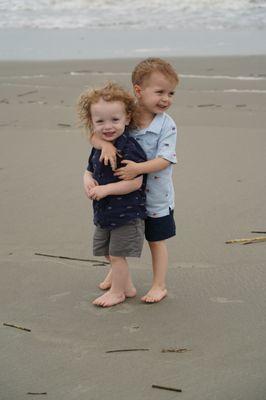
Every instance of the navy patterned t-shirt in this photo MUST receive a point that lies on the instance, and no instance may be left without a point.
(117, 210)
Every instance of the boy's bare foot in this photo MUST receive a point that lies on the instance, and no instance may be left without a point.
(109, 299)
(154, 295)
(130, 291)
(104, 285)
(107, 282)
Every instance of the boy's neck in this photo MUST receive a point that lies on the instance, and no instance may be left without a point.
(145, 120)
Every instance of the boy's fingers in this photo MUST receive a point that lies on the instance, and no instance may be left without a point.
(113, 163)
(118, 172)
(127, 162)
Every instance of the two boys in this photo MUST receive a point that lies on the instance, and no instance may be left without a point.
(154, 82)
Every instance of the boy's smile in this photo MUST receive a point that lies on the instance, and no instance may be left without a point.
(109, 119)
(156, 93)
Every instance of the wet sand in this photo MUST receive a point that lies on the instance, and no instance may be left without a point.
(216, 302)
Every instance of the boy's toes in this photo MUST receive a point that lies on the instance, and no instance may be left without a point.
(109, 299)
(154, 295)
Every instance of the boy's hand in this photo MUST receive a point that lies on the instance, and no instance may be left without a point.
(130, 171)
(88, 182)
(98, 192)
(108, 155)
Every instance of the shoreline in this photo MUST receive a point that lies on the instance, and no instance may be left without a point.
(50, 44)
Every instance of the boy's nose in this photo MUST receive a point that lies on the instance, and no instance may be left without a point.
(165, 98)
(107, 125)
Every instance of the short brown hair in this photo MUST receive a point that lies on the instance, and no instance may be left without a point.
(145, 68)
(111, 92)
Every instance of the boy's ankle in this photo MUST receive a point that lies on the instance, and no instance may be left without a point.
(161, 286)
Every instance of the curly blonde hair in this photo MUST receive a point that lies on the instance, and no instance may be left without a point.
(145, 68)
(111, 92)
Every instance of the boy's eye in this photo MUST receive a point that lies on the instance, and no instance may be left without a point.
(99, 121)
(115, 119)
(171, 93)
(159, 91)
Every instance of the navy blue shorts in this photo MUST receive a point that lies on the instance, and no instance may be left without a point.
(160, 228)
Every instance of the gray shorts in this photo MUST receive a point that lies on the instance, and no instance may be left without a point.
(125, 241)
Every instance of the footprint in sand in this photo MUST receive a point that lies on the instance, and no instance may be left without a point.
(191, 265)
(57, 296)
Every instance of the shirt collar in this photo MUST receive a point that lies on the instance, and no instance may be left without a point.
(156, 124)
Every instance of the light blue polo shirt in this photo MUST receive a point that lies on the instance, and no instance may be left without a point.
(159, 140)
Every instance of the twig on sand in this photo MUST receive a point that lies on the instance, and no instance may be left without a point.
(121, 350)
(167, 388)
(173, 350)
(17, 327)
(101, 264)
(64, 125)
(72, 258)
(25, 94)
(258, 232)
(206, 105)
(37, 393)
(247, 240)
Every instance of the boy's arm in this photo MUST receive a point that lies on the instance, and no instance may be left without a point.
(108, 154)
(88, 182)
(133, 169)
(116, 188)
(165, 156)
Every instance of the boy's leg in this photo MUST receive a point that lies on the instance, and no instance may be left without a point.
(107, 282)
(116, 294)
(130, 290)
(157, 230)
(126, 240)
(159, 255)
(101, 245)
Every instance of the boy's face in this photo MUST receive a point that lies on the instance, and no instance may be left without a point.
(109, 119)
(156, 93)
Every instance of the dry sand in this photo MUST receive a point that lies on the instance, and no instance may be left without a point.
(216, 302)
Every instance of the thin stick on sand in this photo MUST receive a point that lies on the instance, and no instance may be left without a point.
(247, 240)
(17, 327)
(167, 388)
(64, 125)
(172, 350)
(26, 93)
(37, 393)
(73, 258)
(121, 350)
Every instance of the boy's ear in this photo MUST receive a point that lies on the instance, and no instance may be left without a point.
(137, 90)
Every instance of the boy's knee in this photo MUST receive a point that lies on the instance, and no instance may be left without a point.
(157, 244)
(115, 259)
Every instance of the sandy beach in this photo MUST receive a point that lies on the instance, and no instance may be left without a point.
(216, 303)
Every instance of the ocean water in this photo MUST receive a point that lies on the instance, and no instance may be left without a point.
(87, 29)
(188, 15)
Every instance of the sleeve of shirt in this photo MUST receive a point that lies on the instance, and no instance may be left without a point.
(90, 164)
(167, 143)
